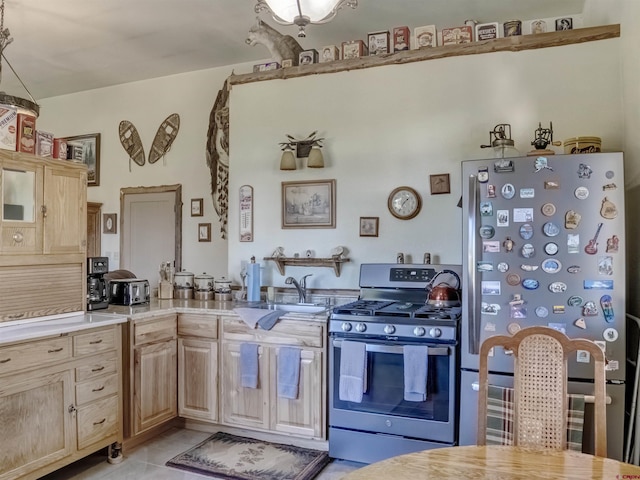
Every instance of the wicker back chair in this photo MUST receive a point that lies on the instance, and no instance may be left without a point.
(540, 387)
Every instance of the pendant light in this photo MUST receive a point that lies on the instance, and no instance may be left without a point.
(22, 105)
(303, 12)
(288, 160)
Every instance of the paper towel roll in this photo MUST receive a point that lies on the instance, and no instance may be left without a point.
(253, 282)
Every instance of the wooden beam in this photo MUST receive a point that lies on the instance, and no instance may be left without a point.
(508, 44)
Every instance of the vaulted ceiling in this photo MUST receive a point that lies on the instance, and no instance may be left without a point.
(66, 46)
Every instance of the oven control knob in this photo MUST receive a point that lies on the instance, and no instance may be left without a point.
(419, 331)
(389, 329)
(435, 332)
(346, 327)
(360, 327)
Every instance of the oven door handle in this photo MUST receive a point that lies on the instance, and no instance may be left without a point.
(394, 349)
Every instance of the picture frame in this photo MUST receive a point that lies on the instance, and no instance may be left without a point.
(86, 149)
(246, 213)
(204, 232)
(197, 207)
(110, 223)
(309, 204)
(369, 226)
(440, 184)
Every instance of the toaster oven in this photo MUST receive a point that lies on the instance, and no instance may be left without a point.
(129, 291)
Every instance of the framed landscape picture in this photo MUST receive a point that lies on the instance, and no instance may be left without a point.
(86, 149)
(309, 204)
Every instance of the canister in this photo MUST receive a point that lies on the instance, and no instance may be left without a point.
(582, 145)
(512, 28)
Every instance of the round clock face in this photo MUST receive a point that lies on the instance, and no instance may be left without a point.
(404, 203)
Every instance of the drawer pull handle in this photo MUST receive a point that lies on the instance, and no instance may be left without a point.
(56, 350)
(95, 342)
(98, 389)
(5, 360)
(100, 422)
(99, 369)
(18, 237)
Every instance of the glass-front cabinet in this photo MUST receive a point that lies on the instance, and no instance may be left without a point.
(21, 222)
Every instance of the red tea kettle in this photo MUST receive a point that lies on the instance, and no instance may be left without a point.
(442, 294)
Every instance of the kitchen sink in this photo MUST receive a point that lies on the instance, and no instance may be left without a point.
(295, 307)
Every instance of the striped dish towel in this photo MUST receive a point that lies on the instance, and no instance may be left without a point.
(500, 413)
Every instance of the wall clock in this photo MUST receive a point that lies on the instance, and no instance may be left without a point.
(404, 203)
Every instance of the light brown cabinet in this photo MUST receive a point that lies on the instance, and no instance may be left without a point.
(261, 408)
(42, 236)
(60, 400)
(151, 373)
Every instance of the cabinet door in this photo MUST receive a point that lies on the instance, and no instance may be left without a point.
(155, 386)
(198, 379)
(240, 405)
(305, 414)
(36, 425)
(21, 216)
(65, 215)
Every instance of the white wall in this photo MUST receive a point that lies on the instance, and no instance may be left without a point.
(146, 104)
(396, 125)
(384, 127)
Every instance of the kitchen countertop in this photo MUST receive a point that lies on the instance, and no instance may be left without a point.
(56, 325)
(212, 307)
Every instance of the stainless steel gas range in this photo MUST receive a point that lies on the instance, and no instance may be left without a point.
(380, 334)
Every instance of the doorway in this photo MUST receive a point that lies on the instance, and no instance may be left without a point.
(150, 230)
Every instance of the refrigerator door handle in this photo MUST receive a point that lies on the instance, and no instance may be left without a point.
(472, 308)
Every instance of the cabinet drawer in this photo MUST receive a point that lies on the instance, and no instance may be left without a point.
(198, 325)
(98, 388)
(94, 342)
(154, 330)
(285, 332)
(18, 357)
(101, 365)
(97, 421)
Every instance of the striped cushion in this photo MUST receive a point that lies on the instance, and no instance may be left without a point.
(500, 413)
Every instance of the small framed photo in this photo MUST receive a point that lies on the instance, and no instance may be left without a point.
(204, 232)
(440, 184)
(110, 223)
(197, 209)
(86, 149)
(369, 226)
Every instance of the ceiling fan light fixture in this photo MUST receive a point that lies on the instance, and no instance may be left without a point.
(303, 12)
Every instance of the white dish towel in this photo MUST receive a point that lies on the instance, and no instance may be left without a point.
(249, 365)
(416, 366)
(353, 371)
(288, 372)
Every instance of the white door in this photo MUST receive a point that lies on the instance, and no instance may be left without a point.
(151, 227)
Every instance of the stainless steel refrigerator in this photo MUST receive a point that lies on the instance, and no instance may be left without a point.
(544, 244)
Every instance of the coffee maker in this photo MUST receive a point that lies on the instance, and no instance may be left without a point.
(97, 297)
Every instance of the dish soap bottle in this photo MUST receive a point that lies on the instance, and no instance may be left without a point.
(253, 281)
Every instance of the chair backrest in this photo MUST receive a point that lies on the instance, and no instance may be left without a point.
(540, 387)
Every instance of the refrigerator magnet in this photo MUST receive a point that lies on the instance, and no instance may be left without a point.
(582, 356)
(527, 250)
(572, 219)
(487, 231)
(503, 267)
(612, 244)
(490, 287)
(513, 279)
(608, 209)
(550, 229)
(551, 248)
(508, 245)
(580, 323)
(527, 193)
(503, 218)
(581, 193)
(552, 184)
(542, 312)
(612, 365)
(486, 209)
(607, 308)
(513, 328)
(548, 209)
(526, 231)
(491, 191)
(561, 327)
(589, 309)
(557, 287)
(551, 265)
(584, 171)
(610, 334)
(508, 191)
(529, 268)
(609, 186)
(483, 174)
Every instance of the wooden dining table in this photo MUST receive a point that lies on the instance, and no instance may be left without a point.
(496, 462)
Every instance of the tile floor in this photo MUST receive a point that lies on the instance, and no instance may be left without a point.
(147, 462)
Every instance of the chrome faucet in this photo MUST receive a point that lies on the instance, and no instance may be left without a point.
(301, 287)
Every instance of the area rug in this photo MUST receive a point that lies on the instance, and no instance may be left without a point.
(223, 455)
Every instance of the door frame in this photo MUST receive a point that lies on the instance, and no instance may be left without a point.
(177, 189)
